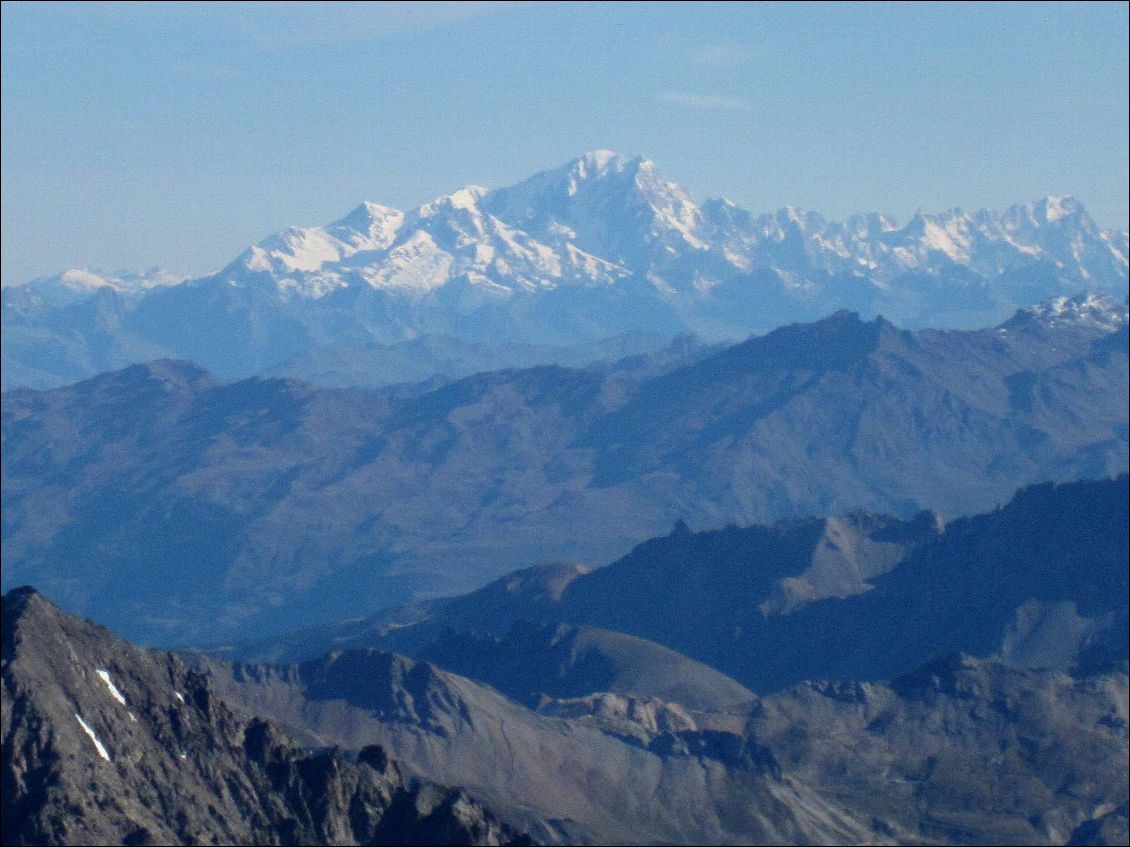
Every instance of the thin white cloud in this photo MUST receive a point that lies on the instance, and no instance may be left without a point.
(706, 101)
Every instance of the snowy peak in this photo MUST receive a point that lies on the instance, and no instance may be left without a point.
(1048, 222)
(459, 239)
(294, 249)
(1053, 208)
(124, 282)
(451, 239)
(929, 238)
(598, 164)
(455, 219)
(370, 226)
(1089, 309)
(553, 193)
(790, 221)
(121, 281)
(605, 216)
(675, 214)
(599, 246)
(608, 205)
(1047, 210)
(1055, 231)
(79, 283)
(869, 226)
(466, 199)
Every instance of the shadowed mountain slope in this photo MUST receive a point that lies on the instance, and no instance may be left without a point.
(448, 357)
(175, 498)
(1039, 582)
(530, 662)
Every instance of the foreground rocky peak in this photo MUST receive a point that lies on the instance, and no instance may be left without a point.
(106, 743)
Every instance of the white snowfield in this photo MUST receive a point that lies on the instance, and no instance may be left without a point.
(1088, 309)
(117, 695)
(604, 217)
(84, 279)
(97, 744)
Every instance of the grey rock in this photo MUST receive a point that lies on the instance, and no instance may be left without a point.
(105, 743)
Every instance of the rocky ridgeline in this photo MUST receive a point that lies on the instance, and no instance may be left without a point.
(105, 743)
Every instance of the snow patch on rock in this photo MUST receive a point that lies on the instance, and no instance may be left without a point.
(93, 737)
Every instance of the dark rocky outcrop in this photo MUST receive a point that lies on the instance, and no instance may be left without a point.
(104, 743)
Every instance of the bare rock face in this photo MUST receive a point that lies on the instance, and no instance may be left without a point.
(630, 717)
(963, 751)
(1107, 827)
(105, 743)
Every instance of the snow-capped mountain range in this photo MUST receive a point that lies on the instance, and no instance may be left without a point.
(76, 283)
(600, 245)
(605, 216)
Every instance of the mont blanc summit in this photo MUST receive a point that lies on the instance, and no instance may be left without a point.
(597, 247)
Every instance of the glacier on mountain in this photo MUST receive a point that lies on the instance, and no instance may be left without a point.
(605, 216)
(599, 246)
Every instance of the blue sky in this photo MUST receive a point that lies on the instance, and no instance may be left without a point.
(177, 134)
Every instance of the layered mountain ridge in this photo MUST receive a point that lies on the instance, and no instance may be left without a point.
(164, 496)
(949, 749)
(104, 742)
(405, 484)
(1039, 582)
(599, 246)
